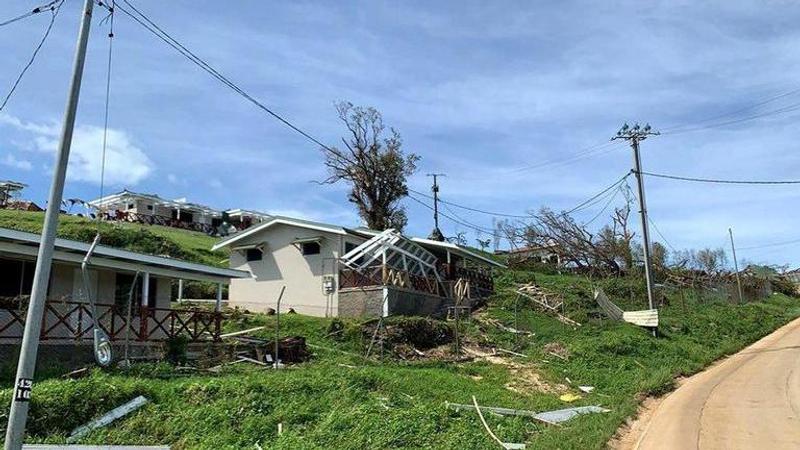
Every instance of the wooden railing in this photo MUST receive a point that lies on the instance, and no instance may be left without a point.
(73, 320)
(481, 281)
(153, 219)
(386, 276)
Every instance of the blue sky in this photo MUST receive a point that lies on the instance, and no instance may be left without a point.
(481, 90)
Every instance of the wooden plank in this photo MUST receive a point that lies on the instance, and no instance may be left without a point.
(237, 333)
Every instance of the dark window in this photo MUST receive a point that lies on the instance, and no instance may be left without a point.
(254, 254)
(149, 207)
(311, 248)
(16, 277)
(131, 205)
(123, 287)
(349, 247)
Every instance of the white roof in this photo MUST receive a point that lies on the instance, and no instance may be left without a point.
(22, 243)
(125, 195)
(457, 249)
(278, 220)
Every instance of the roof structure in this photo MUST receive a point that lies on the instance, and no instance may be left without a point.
(458, 250)
(301, 223)
(27, 244)
(8, 185)
(395, 251)
(125, 195)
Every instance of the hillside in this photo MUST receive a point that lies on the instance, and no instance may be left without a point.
(339, 399)
(150, 239)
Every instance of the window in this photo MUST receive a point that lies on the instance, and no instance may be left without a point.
(311, 248)
(349, 247)
(254, 254)
(16, 277)
(131, 205)
(122, 289)
(149, 207)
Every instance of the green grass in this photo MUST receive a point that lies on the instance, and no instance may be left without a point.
(150, 239)
(339, 399)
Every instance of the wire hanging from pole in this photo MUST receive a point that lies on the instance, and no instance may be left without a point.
(54, 8)
(110, 18)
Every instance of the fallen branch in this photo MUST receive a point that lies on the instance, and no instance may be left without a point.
(511, 353)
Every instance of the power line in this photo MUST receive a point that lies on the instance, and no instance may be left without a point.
(718, 181)
(54, 8)
(581, 154)
(611, 198)
(468, 208)
(48, 6)
(460, 222)
(774, 244)
(582, 205)
(156, 30)
(658, 231)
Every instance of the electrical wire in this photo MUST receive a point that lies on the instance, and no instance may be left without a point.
(611, 198)
(774, 244)
(719, 181)
(159, 32)
(468, 208)
(37, 10)
(452, 219)
(54, 8)
(110, 18)
(581, 154)
(655, 227)
(585, 203)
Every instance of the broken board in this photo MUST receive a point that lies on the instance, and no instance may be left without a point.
(644, 318)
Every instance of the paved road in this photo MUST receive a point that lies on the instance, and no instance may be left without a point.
(748, 401)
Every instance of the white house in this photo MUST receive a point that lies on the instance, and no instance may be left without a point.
(305, 257)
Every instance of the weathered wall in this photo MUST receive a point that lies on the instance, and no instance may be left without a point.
(401, 302)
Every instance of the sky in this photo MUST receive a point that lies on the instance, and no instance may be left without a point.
(514, 101)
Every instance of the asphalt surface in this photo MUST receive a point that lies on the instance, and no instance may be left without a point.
(750, 400)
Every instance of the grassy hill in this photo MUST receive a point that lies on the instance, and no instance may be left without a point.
(150, 239)
(339, 399)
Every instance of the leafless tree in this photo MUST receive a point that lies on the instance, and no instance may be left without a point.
(375, 166)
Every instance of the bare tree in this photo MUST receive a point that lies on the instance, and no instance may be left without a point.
(375, 167)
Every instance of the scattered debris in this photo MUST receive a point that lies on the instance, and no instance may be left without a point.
(557, 349)
(511, 353)
(548, 301)
(347, 365)
(505, 445)
(644, 318)
(107, 418)
(280, 428)
(569, 397)
(78, 373)
(563, 415)
(498, 324)
(292, 349)
(240, 333)
(500, 411)
(586, 389)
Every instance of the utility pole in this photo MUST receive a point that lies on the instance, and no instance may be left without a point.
(436, 234)
(736, 267)
(23, 386)
(635, 135)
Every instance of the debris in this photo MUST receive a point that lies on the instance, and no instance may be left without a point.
(75, 374)
(563, 415)
(292, 349)
(505, 445)
(569, 397)
(239, 333)
(557, 355)
(557, 349)
(586, 389)
(500, 325)
(511, 353)
(107, 418)
(549, 302)
(280, 428)
(347, 365)
(645, 318)
(500, 411)
(568, 380)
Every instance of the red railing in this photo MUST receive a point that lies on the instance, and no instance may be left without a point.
(73, 320)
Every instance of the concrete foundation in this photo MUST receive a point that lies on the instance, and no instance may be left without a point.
(369, 302)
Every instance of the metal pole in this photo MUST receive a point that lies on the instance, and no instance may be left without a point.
(736, 267)
(26, 366)
(637, 160)
(278, 325)
(435, 202)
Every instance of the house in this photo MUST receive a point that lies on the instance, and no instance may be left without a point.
(111, 274)
(545, 254)
(9, 191)
(179, 213)
(309, 259)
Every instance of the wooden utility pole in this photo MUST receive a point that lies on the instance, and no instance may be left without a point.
(635, 135)
(436, 234)
(736, 267)
(23, 386)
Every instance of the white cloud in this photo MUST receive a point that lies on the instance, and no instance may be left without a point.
(125, 163)
(11, 161)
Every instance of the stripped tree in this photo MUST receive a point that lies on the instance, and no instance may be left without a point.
(375, 166)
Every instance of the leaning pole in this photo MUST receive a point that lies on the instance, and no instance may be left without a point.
(23, 386)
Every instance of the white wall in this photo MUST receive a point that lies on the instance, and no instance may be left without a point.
(284, 264)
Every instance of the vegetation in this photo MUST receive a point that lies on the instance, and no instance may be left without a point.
(340, 399)
(375, 167)
(150, 239)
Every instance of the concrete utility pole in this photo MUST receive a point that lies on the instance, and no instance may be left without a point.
(23, 386)
(635, 135)
(736, 267)
(436, 234)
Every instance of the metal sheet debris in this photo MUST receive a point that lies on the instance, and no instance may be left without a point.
(644, 318)
(563, 415)
(107, 418)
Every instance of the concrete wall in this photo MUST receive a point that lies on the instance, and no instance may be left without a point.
(284, 264)
(401, 302)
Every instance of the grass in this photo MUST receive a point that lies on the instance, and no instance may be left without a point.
(341, 400)
(150, 239)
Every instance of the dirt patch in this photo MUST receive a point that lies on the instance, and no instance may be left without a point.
(525, 378)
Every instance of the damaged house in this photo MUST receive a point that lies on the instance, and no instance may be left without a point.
(331, 271)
